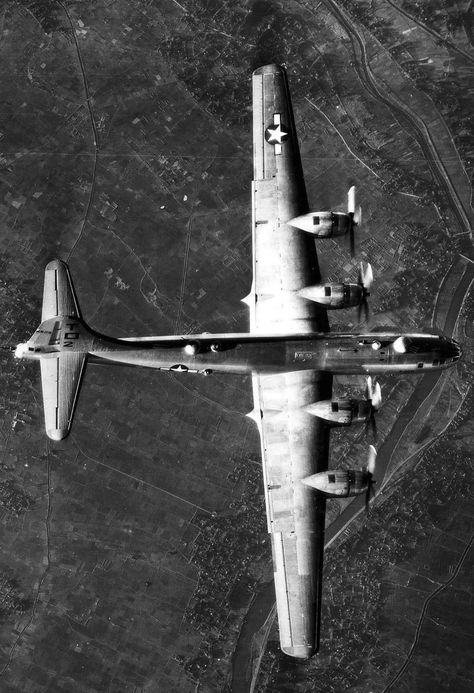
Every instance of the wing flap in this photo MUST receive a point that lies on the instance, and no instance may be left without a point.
(60, 381)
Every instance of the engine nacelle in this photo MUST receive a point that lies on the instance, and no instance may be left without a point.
(341, 412)
(323, 224)
(334, 296)
(340, 482)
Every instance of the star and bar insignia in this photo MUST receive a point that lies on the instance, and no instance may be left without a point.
(277, 133)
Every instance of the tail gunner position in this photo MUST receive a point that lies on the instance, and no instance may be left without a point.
(289, 352)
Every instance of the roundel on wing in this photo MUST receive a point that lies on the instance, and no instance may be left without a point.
(276, 133)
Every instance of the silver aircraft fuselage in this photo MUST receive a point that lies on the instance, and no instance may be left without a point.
(245, 354)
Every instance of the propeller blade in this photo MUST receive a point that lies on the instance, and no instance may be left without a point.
(371, 460)
(366, 275)
(351, 200)
(351, 208)
(369, 388)
(376, 396)
(365, 305)
(367, 497)
(352, 238)
(373, 423)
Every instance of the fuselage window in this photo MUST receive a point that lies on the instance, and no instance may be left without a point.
(315, 221)
(334, 406)
(420, 365)
(332, 478)
(327, 290)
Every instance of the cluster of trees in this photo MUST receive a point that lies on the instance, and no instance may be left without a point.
(12, 599)
(49, 14)
(13, 498)
(223, 550)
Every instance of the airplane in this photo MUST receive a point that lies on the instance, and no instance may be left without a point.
(289, 352)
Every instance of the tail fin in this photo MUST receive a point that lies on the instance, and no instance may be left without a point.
(61, 372)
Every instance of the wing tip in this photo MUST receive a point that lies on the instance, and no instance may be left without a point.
(270, 69)
(300, 651)
(55, 265)
(57, 433)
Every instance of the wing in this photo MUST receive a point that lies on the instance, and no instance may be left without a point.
(284, 258)
(294, 443)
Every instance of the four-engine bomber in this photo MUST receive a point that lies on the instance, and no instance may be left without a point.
(245, 353)
(289, 353)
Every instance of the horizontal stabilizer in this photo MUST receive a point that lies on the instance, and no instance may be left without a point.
(58, 295)
(60, 379)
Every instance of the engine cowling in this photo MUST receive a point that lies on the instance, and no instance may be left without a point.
(323, 224)
(334, 296)
(341, 412)
(340, 482)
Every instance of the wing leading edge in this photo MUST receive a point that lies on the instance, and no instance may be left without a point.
(294, 443)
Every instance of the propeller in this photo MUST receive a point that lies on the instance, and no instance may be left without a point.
(355, 216)
(373, 394)
(370, 475)
(365, 279)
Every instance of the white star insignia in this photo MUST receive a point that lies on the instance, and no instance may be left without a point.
(276, 134)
